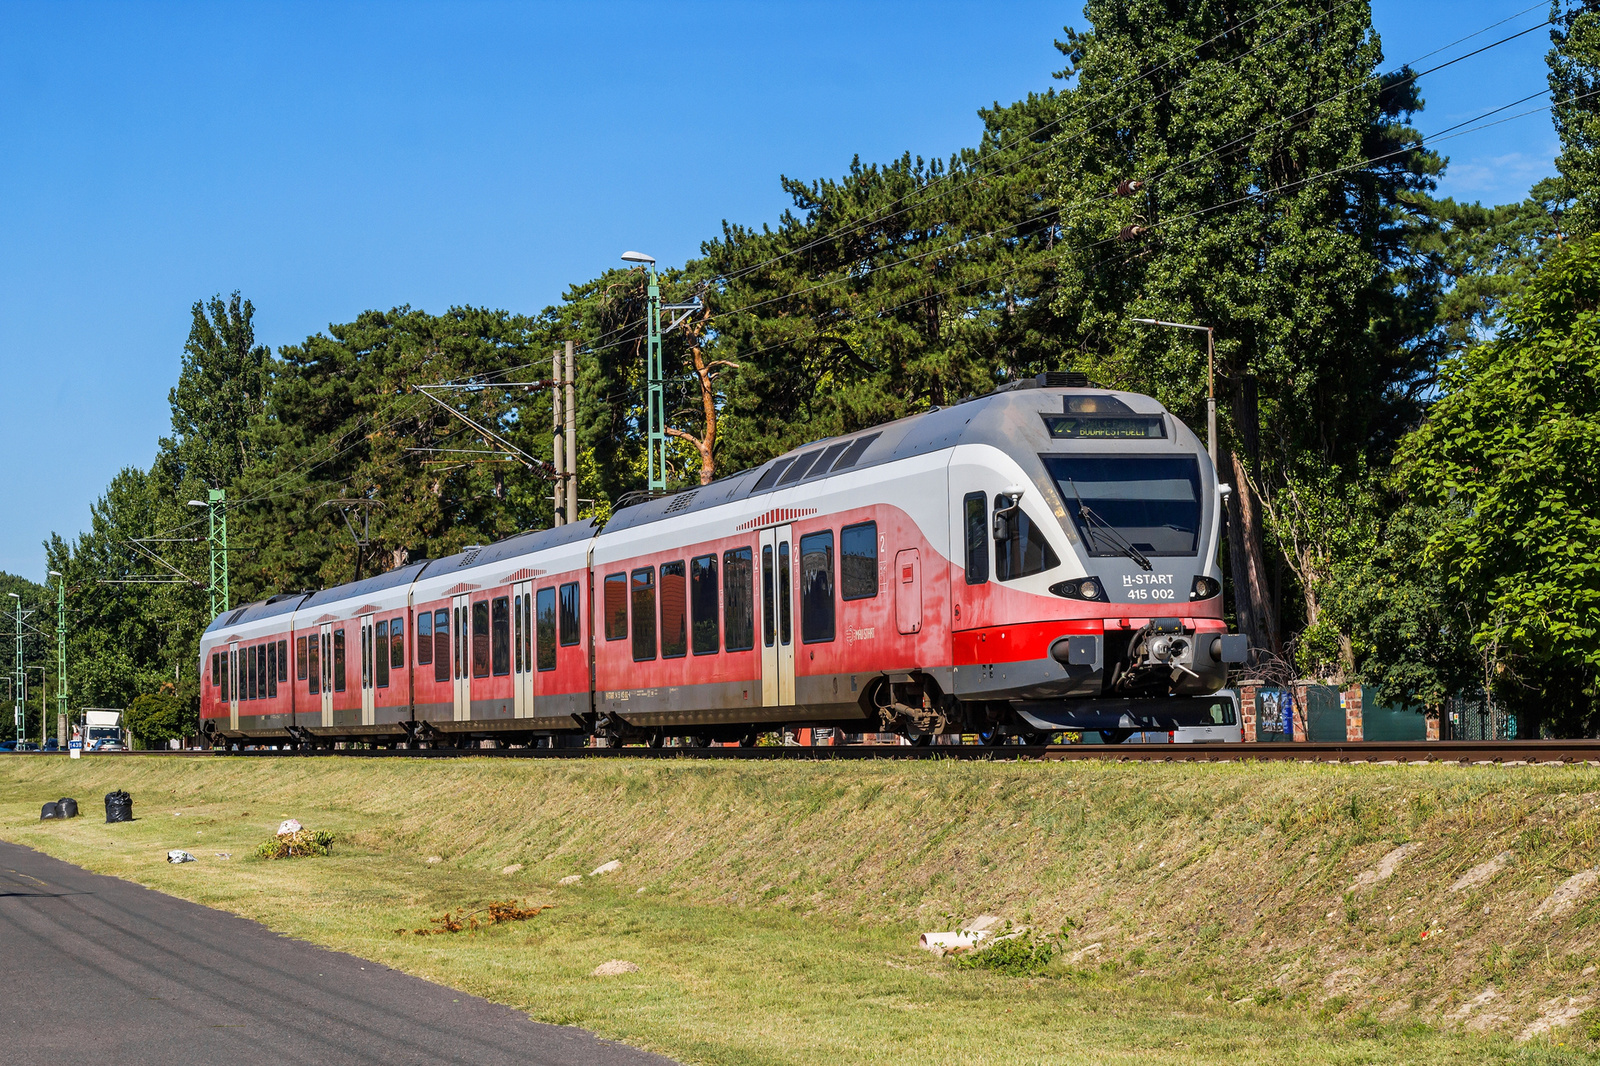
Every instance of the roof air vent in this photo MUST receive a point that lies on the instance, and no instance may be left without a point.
(1063, 380)
(682, 502)
(471, 551)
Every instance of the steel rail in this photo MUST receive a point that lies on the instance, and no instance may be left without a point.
(1508, 752)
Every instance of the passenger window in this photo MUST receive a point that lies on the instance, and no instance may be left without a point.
(547, 629)
(768, 620)
(569, 614)
(616, 606)
(381, 654)
(338, 660)
(441, 645)
(703, 603)
(738, 599)
(482, 641)
(283, 661)
(300, 658)
(272, 670)
(250, 673)
(975, 508)
(315, 677)
(425, 638)
(674, 611)
(858, 561)
(644, 614)
(1026, 551)
(816, 587)
(397, 643)
(526, 621)
(519, 631)
(785, 596)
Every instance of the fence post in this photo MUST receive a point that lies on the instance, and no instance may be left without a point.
(1247, 709)
(1302, 711)
(1352, 713)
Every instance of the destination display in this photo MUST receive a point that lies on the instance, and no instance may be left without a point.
(1106, 427)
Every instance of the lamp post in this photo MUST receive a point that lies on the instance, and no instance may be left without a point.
(1211, 378)
(655, 400)
(61, 647)
(20, 679)
(217, 502)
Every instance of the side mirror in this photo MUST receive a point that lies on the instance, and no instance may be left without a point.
(1002, 515)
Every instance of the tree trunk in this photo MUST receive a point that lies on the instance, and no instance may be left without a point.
(1247, 561)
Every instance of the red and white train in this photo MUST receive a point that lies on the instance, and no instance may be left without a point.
(1042, 558)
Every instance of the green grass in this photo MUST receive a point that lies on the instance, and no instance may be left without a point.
(773, 908)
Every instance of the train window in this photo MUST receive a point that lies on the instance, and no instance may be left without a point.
(829, 457)
(798, 470)
(397, 643)
(616, 606)
(768, 610)
(1025, 551)
(425, 638)
(219, 680)
(458, 642)
(518, 631)
(366, 655)
(380, 652)
(857, 449)
(858, 561)
(283, 661)
(213, 674)
(481, 639)
(816, 587)
(674, 611)
(441, 646)
(501, 631)
(300, 658)
(975, 515)
(233, 674)
(703, 603)
(1151, 502)
(272, 670)
(546, 623)
(569, 614)
(527, 632)
(738, 599)
(338, 660)
(644, 614)
(315, 675)
(250, 674)
(772, 474)
(785, 595)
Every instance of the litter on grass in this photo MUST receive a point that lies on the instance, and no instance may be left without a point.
(461, 919)
(178, 855)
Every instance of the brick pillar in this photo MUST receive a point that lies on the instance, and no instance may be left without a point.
(1352, 713)
(1432, 718)
(1247, 709)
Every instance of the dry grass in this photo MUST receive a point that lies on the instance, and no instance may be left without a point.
(773, 908)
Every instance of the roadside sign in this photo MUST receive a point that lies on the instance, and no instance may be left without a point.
(75, 748)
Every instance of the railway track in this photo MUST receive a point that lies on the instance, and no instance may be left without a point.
(1518, 752)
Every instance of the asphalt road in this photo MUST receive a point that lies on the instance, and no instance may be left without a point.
(94, 970)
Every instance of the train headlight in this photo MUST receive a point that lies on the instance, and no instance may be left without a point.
(1204, 588)
(1080, 588)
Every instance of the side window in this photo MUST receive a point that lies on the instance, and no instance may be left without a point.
(300, 658)
(525, 641)
(858, 561)
(338, 660)
(272, 670)
(425, 638)
(250, 673)
(481, 639)
(644, 614)
(502, 635)
(616, 606)
(519, 630)
(768, 629)
(458, 655)
(283, 661)
(816, 587)
(569, 614)
(703, 603)
(674, 611)
(738, 599)
(546, 629)
(785, 596)
(975, 514)
(1025, 552)
(219, 680)
(381, 654)
(397, 643)
(315, 677)
(441, 645)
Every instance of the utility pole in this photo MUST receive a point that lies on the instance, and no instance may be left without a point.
(19, 681)
(558, 495)
(61, 647)
(655, 398)
(570, 409)
(1211, 378)
(215, 505)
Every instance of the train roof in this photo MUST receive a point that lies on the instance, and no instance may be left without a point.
(919, 434)
(283, 603)
(521, 544)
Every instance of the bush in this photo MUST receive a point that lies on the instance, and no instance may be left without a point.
(157, 717)
(296, 845)
(1019, 955)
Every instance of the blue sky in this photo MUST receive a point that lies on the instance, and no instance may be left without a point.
(328, 158)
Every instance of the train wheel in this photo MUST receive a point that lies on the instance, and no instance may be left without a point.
(750, 740)
(656, 740)
(699, 741)
(994, 737)
(919, 738)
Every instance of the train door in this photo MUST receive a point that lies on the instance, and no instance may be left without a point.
(461, 654)
(908, 591)
(233, 686)
(777, 617)
(368, 673)
(522, 648)
(326, 666)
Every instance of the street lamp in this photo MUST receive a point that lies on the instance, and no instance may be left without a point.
(21, 682)
(655, 400)
(1211, 382)
(61, 650)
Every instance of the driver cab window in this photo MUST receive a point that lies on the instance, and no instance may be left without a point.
(1024, 551)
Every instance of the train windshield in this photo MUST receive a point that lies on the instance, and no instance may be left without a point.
(1149, 502)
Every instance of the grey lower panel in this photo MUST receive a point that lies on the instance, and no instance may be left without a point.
(435, 712)
(356, 732)
(262, 721)
(489, 710)
(826, 697)
(1172, 712)
(490, 727)
(347, 717)
(1030, 679)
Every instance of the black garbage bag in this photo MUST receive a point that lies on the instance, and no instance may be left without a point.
(119, 806)
(69, 807)
(49, 810)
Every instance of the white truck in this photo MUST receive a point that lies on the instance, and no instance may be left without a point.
(103, 728)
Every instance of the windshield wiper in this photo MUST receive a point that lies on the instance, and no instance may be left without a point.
(1088, 514)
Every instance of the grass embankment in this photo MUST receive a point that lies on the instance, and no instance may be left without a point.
(1224, 913)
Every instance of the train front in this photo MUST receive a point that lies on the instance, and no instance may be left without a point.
(1092, 598)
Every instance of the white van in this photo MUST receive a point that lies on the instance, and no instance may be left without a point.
(1226, 727)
